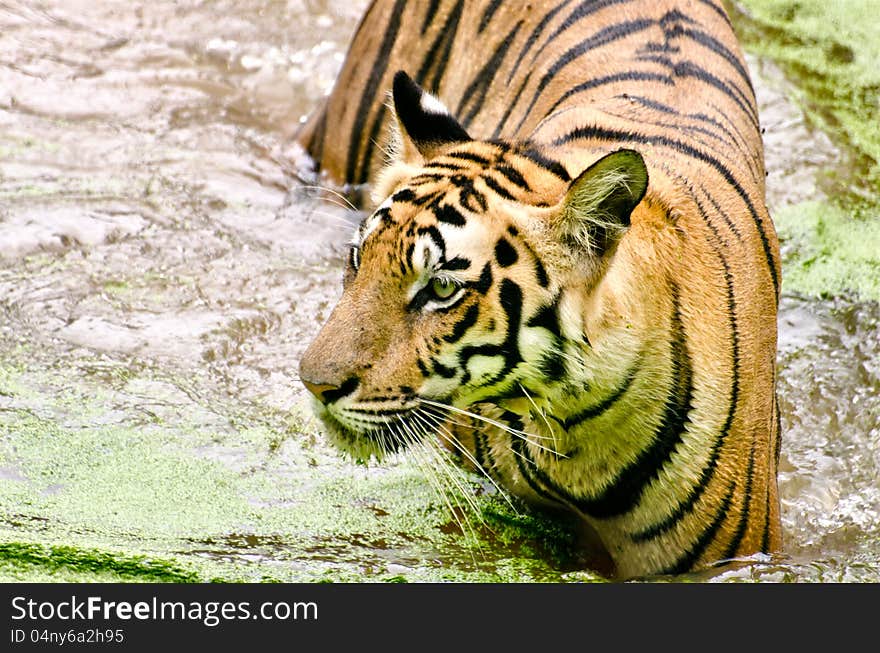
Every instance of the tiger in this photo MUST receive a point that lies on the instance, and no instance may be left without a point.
(579, 301)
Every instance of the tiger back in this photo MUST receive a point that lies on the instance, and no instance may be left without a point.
(570, 278)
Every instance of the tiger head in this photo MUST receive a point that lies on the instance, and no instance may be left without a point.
(452, 290)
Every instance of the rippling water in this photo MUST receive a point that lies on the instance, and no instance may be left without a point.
(161, 262)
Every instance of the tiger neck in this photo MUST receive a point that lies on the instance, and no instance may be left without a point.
(586, 437)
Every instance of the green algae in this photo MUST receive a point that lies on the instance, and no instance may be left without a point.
(91, 492)
(830, 251)
(830, 50)
(116, 470)
(19, 561)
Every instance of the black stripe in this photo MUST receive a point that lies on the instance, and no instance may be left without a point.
(533, 37)
(625, 491)
(449, 214)
(720, 49)
(695, 129)
(778, 444)
(487, 15)
(687, 561)
(652, 104)
(483, 439)
(686, 506)
(475, 93)
(371, 147)
(404, 195)
(537, 479)
(754, 157)
(532, 474)
(429, 15)
(426, 178)
(552, 365)
(498, 188)
(478, 451)
(510, 298)
(468, 156)
(457, 263)
(606, 35)
(547, 317)
(550, 165)
(718, 10)
(541, 273)
(442, 370)
(674, 17)
(371, 88)
(445, 165)
(586, 8)
(510, 106)
(464, 324)
(743, 524)
(429, 199)
(505, 253)
(468, 193)
(734, 139)
(730, 223)
(514, 176)
(590, 131)
(628, 76)
(742, 138)
(437, 57)
(345, 388)
(603, 406)
(432, 232)
(601, 38)
(406, 263)
(690, 69)
(484, 283)
(765, 538)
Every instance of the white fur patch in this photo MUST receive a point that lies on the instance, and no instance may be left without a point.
(425, 256)
(369, 225)
(431, 104)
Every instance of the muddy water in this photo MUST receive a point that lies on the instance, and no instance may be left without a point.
(162, 269)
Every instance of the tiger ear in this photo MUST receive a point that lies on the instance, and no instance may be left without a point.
(424, 123)
(597, 207)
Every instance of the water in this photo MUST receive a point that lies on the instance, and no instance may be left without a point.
(162, 269)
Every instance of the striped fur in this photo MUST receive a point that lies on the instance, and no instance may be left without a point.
(614, 345)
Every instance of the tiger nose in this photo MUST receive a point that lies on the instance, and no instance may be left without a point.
(320, 390)
(327, 393)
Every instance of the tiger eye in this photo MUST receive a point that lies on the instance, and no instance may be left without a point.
(443, 288)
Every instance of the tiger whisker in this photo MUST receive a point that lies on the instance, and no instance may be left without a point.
(431, 472)
(335, 220)
(522, 435)
(529, 438)
(540, 412)
(445, 417)
(441, 430)
(482, 418)
(335, 193)
(429, 449)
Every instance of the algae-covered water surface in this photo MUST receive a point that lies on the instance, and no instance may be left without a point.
(162, 269)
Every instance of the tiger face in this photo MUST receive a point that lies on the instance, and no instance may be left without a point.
(452, 287)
